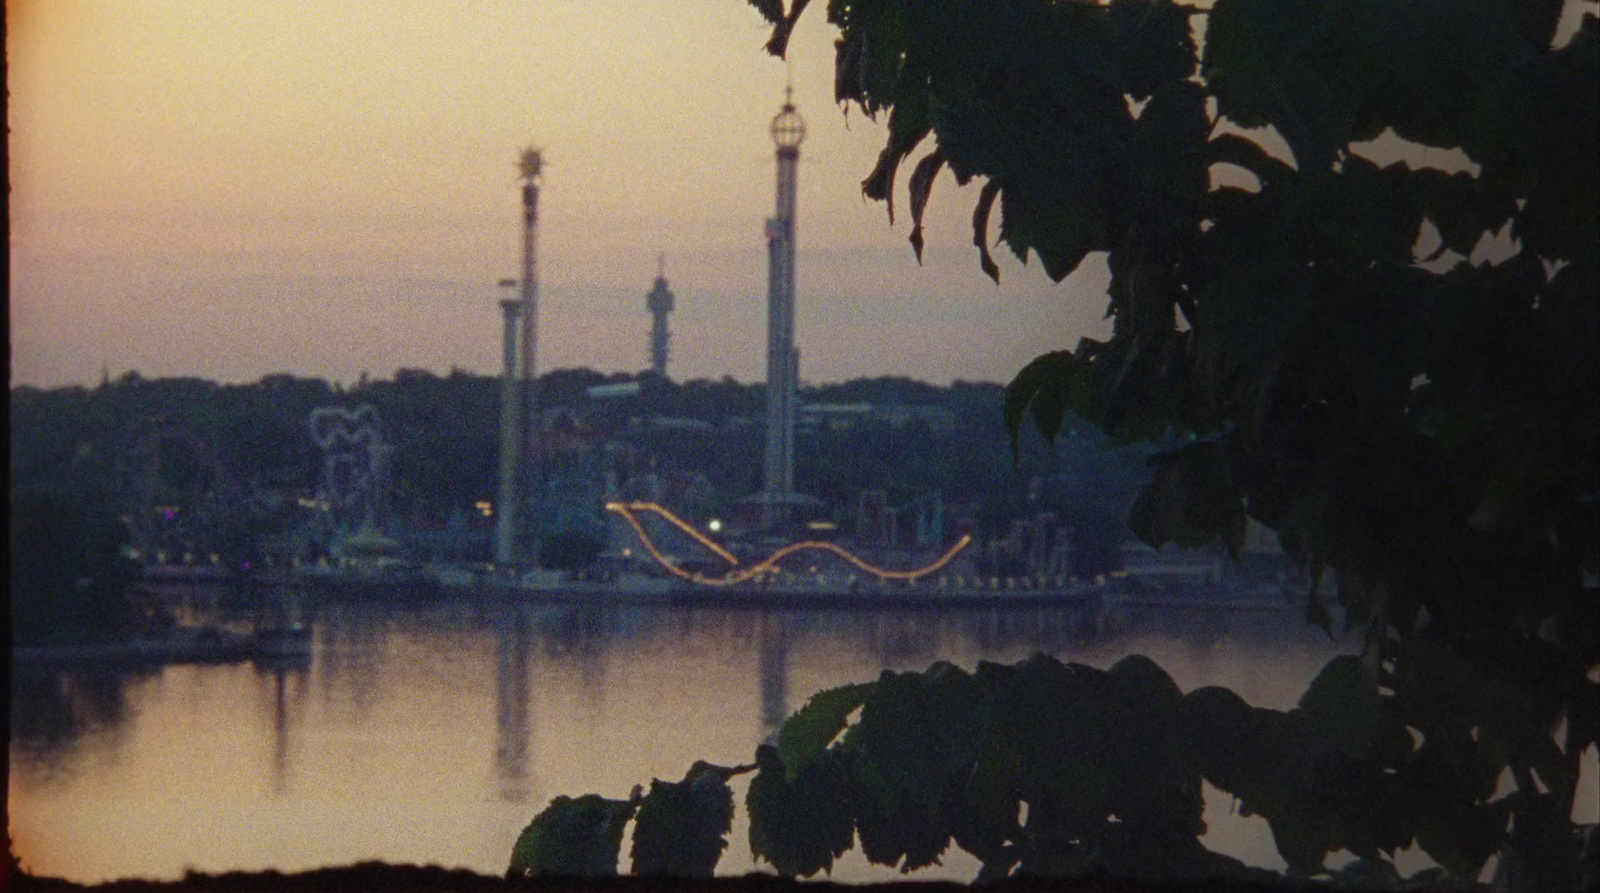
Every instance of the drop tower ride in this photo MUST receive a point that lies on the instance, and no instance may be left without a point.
(519, 411)
(783, 359)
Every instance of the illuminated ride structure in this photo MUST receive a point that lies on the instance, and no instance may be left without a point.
(737, 574)
(777, 497)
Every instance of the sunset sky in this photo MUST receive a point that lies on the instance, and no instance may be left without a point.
(235, 188)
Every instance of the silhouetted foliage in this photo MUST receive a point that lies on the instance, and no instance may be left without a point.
(68, 579)
(1394, 367)
(682, 826)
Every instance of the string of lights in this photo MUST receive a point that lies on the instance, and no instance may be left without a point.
(769, 564)
(681, 524)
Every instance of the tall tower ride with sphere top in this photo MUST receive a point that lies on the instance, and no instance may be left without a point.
(783, 359)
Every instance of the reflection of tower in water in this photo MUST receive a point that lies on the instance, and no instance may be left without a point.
(353, 640)
(513, 639)
(280, 733)
(280, 720)
(580, 638)
(774, 670)
(903, 641)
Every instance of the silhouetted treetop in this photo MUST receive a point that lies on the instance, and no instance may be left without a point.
(1394, 366)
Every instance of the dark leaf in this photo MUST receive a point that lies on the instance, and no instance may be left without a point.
(1342, 707)
(1293, 67)
(908, 124)
(1058, 228)
(778, 45)
(682, 827)
(1049, 745)
(920, 186)
(806, 734)
(1436, 688)
(1537, 20)
(1138, 680)
(1172, 134)
(1155, 784)
(909, 837)
(1367, 874)
(771, 10)
(572, 838)
(800, 827)
(921, 183)
(1461, 207)
(1231, 148)
(1154, 44)
(1047, 386)
(847, 68)
(870, 56)
(1461, 836)
(1191, 500)
(980, 228)
(918, 732)
(1228, 737)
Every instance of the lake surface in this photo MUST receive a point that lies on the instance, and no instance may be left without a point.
(432, 735)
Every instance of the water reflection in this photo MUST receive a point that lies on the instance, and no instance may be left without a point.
(53, 709)
(513, 641)
(288, 700)
(773, 672)
(352, 648)
(581, 638)
(430, 734)
(280, 733)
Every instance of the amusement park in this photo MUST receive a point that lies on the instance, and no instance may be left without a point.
(627, 485)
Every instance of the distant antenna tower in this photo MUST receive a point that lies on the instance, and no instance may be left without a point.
(659, 302)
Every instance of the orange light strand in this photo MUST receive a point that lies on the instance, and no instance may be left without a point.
(770, 563)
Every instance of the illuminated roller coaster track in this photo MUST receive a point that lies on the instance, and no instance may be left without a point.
(628, 510)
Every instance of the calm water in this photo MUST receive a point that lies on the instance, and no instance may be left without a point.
(432, 735)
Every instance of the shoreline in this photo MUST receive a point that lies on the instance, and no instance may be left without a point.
(199, 646)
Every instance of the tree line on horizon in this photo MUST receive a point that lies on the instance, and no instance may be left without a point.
(132, 443)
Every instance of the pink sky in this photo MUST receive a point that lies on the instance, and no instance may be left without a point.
(233, 188)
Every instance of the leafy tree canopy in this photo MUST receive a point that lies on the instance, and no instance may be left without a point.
(1425, 424)
(69, 581)
(1392, 365)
